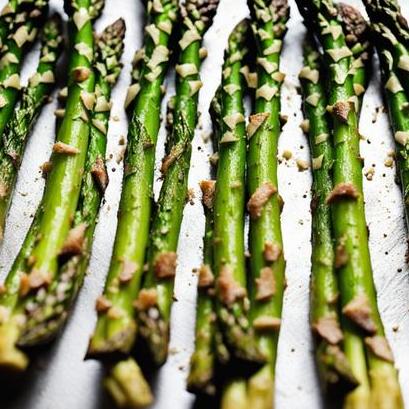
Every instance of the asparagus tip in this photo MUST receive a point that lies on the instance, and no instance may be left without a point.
(127, 385)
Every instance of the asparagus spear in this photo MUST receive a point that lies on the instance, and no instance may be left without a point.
(397, 102)
(34, 96)
(333, 366)
(267, 264)
(48, 317)
(7, 18)
(396, 97)
(24, 33)
(116, 327)
(232, 304)
(393, 34)
(154, 321)
(202, 362)
(48, 239)
(363, 329)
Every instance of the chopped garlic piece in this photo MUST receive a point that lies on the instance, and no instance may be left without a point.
(393, 84)
(184, 70)
(278, 76)
(85, 50)
(12, 82)
(154, 33)
(81, 17)
(229, 137)
(100, 125)
(322, 137)
(88, 99)
(160, 54)
(189, 37)
(274, 48)
(404, 62)
(310, 75)
(195, 86)
(21, 36)
(255, 121)
(335, 31)
(231, 88)
(133, 91)
(270, 67)
(313, 99)
(359, 89)
(165, 26)
(317, 162)
(402, 137)
(266, 92)
(232, 120)
(102, 105)
(47, 77)
(339, 53)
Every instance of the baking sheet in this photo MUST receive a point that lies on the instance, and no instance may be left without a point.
(60, 379)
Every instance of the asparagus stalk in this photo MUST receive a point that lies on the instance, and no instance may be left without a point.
(333, 366)
(363, 329)
(51, 240)
(15, 47)
(396, 96)
(33, 98)
(48, 317)
(202, 362)
(393, 34)
(267, 264)
(7, 18)
(397, 102)
(154, 321)
(232, 303)
(116, 327)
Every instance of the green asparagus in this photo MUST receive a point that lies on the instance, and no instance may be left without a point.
(116, 327)
(333, 366)
(267, 264)
(154, 321)
(23, 34)
(202, 363)
(48, 240)
(7, 18)
(48, 317)
(365, 344)
(232, 303)
(396, 96)
(393, 34)
(34, 96)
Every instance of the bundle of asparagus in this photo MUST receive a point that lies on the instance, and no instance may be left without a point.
(369, 361)
(115, 331)
(390, 33)
(36, 268)
(154, 317)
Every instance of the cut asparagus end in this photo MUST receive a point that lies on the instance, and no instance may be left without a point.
(358, 399)
(155, 332)
(385, 389)
(118, 343)
(127, 385)
(200, 380)
(335, 370)
(11, 358)
(235, 395)
(240, 340)
(260, 389)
